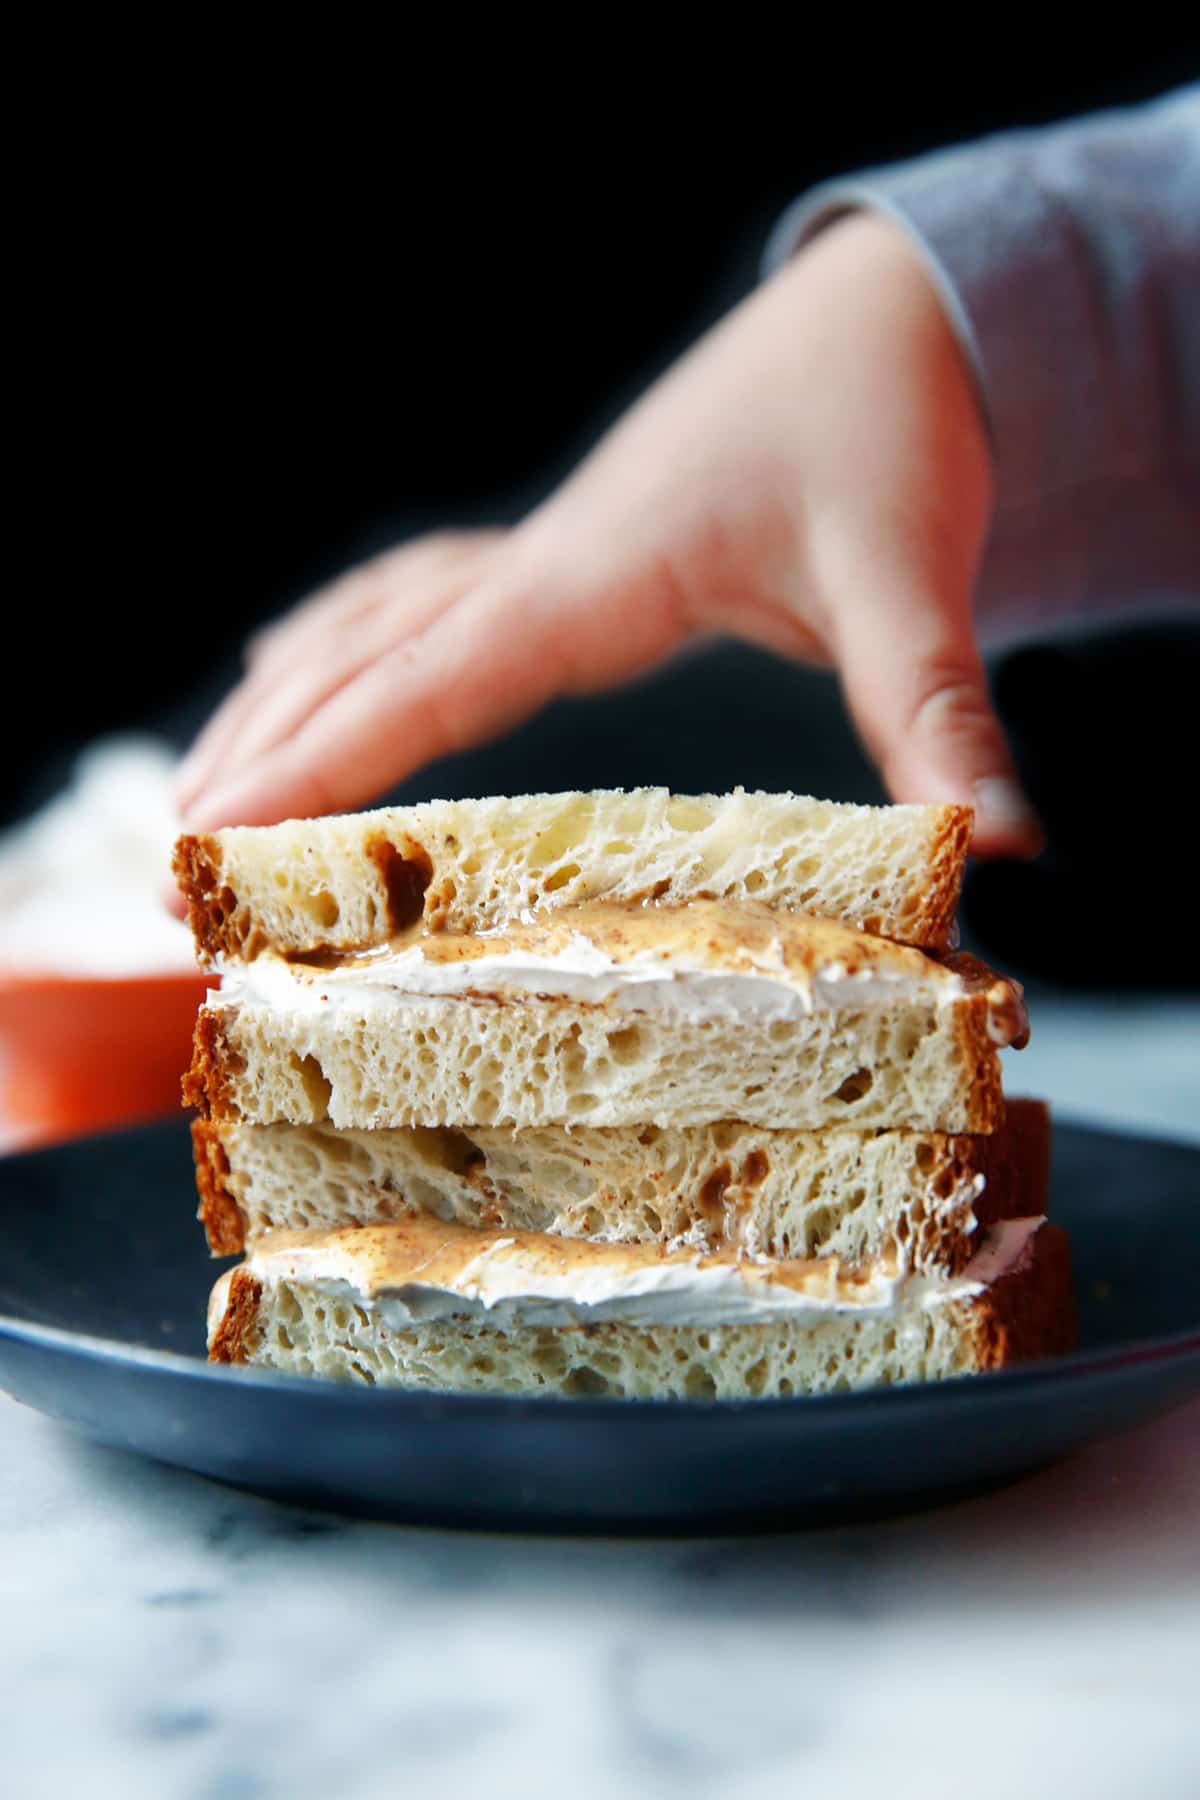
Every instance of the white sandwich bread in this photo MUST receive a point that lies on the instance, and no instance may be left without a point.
(358, 881)
(858, 1195)
(421, 1303)
(623, 1094)
(614, 1015)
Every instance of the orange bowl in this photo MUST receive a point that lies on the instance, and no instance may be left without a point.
(81, 1052)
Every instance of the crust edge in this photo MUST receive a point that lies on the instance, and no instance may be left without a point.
(1030, 1311)
(223, 1220)
(231, 1341)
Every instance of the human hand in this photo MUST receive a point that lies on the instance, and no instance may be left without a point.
(814, 476)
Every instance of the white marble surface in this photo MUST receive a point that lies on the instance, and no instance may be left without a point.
(161, 1636)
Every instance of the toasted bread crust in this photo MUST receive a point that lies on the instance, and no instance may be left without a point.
(985, 1098)
(1030, 1311)
(217, 922)
(233, 1340)
(216, 1065)
(1015, 1164)
(223, 1220)
(933, 921)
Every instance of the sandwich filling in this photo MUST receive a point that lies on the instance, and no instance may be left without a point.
(421, 1270)
(705, 960)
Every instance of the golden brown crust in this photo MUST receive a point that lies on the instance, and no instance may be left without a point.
(1015, 1162)
(214, 915)
(232, 1340)
(978, 1052)
(223, 1220)
(1030, 1311)
(208, 1084)
(933, 921)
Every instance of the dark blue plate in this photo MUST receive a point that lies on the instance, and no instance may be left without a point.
(104, 1276)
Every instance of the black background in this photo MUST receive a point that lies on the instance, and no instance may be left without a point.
(272, 319)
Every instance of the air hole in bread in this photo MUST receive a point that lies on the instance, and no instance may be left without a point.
(625, 1046)
(712, 1193)
(698, 1384)
(586, 1381)
(756, 881)
(455, 1151)
(406, 874)
(560, 877)
(854, 1087)
(317, 1089)
(324, 909)
(820, 1225)
(567, 830)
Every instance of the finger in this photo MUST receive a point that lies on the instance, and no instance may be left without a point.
(425, 699)
(484, 665)
(357, 592)
(917, 690)
(286, 697)
(317, 650)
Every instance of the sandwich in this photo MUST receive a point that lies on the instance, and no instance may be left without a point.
(424, 1304)
(631, 1094)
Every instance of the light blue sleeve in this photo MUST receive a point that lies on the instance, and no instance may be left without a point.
(1068, 259)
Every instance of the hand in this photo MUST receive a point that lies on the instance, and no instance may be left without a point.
(813, 476)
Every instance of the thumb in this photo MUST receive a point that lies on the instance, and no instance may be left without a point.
(917, 690)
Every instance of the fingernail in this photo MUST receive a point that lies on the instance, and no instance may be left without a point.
(1000, 805)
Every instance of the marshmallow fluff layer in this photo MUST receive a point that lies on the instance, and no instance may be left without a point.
(704, 960)
(421, 1270)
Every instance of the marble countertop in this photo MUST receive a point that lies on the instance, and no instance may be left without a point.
(161, 1636)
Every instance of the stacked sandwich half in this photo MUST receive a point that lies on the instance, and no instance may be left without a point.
(613, 1093)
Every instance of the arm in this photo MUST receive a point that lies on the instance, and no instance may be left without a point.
(1068, 260)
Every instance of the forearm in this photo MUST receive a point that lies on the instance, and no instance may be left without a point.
(1068, 260)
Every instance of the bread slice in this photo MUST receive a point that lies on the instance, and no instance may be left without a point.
(352, 882)
(858, 1195)
(488, 1062)
(389, 1306)
(614, 1015)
